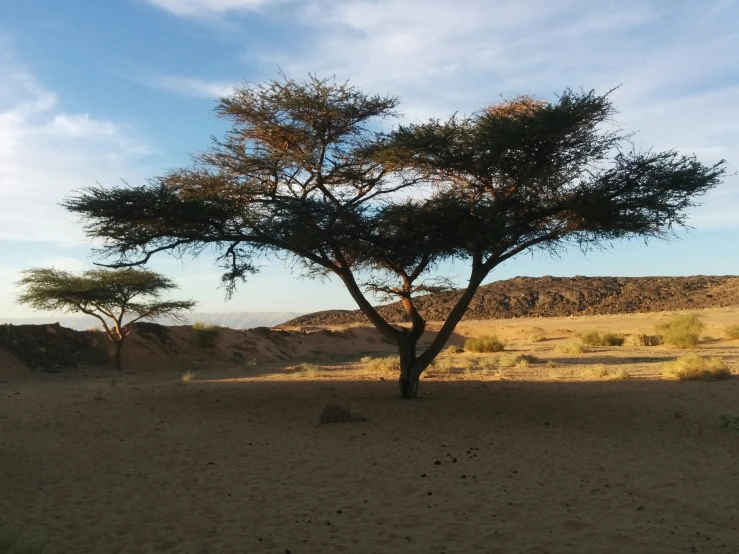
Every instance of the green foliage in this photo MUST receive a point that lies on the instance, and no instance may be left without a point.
(118, 298)
(729, 420)
(682, 331)
(484, 343)
(206, 334)
(693, 367)
(732, 332)
(596, 338)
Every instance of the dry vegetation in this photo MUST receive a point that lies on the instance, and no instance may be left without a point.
(682, 331)
(692, 367)
(206, 334)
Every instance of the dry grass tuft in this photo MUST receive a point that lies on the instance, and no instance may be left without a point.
(383, 366)
(186, 377)
(693, 367)
(732, 332)
(517, 360)
(307, 370)
(570, 347)
(484, 343)
(596, 338)
(641, 339)
(682, 331)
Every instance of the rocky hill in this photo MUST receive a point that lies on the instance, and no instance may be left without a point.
(560, 296)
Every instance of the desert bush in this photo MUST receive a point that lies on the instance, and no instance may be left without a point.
(731, 331)
(388, 364)
(536, 337)
(488, 362)
(206, 334)
(729, 420)
(597, 371)
(484, 343)
(621, 375)
(453, 349)
(596, 338)
(517, 360)
(570, 347)
(94, 330)
(307, 370)
(641, 339)
(693, 367)
(681, 331)
(442, 365)
(186, 377)
(14, 540)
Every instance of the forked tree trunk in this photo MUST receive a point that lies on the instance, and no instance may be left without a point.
(410, 370)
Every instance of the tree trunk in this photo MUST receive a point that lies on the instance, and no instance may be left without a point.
(410, 369)
(118, 347)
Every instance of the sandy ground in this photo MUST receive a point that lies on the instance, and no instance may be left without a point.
(536, 459)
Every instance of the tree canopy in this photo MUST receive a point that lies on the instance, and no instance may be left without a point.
(118, 298)
(308, 170)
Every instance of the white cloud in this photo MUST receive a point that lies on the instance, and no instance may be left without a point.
(45, 153)
(675, 61)
(182, 85)
(197, 7)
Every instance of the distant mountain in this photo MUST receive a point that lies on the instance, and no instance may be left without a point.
(557, 297)
(234, 320)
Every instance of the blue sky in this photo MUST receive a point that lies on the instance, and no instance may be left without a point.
(121, 90)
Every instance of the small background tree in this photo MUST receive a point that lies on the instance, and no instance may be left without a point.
(117, 297)
(305, 171)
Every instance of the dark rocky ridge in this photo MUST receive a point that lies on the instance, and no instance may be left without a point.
(558, 297)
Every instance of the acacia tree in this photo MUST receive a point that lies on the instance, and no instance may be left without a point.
(306, 171)
(113, 296)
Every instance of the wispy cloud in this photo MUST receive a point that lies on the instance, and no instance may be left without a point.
(180, 85)
(198, 7)
(675, 62)
(45, 153)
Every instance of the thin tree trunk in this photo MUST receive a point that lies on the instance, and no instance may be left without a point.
(118, 348)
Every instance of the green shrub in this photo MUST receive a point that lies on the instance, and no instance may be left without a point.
(596, 338)
(484, 343)
(693, 366)
(206, 334)
(641, 339)
(729, 420)
(732, 331)
(682, 331)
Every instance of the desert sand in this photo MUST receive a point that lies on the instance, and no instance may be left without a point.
(538, 459)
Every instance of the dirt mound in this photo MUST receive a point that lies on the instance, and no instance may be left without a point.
(52, 347)
(559, 297)
(152, 346)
